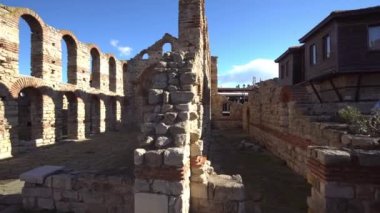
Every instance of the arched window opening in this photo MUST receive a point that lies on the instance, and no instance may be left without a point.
(112, 114)
(30, 46)
(29, 116)
(69, 59)
(95, 68)
(145, 56)
(125, 67)
(94, 115)
(112, 74)
(69, 116)
(167, 47)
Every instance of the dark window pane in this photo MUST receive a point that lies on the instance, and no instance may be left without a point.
(374, 37)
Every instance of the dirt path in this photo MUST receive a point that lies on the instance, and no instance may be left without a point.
(109, 152)
(282, 191)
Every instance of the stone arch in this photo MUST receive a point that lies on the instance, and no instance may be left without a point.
(30, 115)
(95, 67)
(93, 115)
(145, 55)
(112, 74)
(35, 24)
(167, 47)
(69, 115)
(111, 113)
(24, 83)
(72, 47)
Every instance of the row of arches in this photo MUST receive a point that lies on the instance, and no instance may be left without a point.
(43, 118)
(30, 49)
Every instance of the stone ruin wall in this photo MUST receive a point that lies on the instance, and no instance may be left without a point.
(168, 95)
(89, 109)
(170, 168)
(69, 191)
(220, 121)
(341, 168)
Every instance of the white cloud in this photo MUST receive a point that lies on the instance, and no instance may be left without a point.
(114, 42)
(123, 50)
(262, 69)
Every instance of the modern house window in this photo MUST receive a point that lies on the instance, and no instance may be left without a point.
(326, 47)
(374, 37)
(313, 54)
(226, 109)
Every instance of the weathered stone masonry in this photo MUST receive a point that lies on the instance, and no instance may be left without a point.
(168, 95)
(40, 110)
(343, 169)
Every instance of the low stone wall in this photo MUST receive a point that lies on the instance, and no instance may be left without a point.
(343, 180)
(221, 193)
(286, 124)
(68, 191)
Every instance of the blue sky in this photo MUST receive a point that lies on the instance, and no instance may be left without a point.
(246, 35)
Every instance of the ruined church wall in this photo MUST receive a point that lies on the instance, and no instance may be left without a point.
(46, 84)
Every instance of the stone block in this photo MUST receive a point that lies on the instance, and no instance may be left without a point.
(181, 97)
(161, 186)
(41, 192)
(226, 188)
(368, 157)
(139, 156)
(141, 185)
(195, 135)
(149, 203)
(91, 197)
(155, 96)
(153, 158)
(181, 139)
(183, 107)
(172, 88)
(174, 157)
(45, 203)
(199, 190)
(193, 116)
(333, 157)
(146, 140)
(188, 78)
(196, 149)
(147, 128)
(170, 117)
(179, 128)
(160, 81)
(176, 188)
(184, 116)
(161, 129)
(39, 174)
(163, 141)
(167, 108)
(29, 202)
(336, 190)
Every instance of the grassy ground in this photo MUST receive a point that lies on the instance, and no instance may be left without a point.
(282, 190)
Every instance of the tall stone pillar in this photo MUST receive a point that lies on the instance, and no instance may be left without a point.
(162, 166)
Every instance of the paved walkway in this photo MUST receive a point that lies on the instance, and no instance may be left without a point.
(266, 177)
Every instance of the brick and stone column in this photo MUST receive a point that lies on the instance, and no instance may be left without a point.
(343, 180)
(162, 166)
